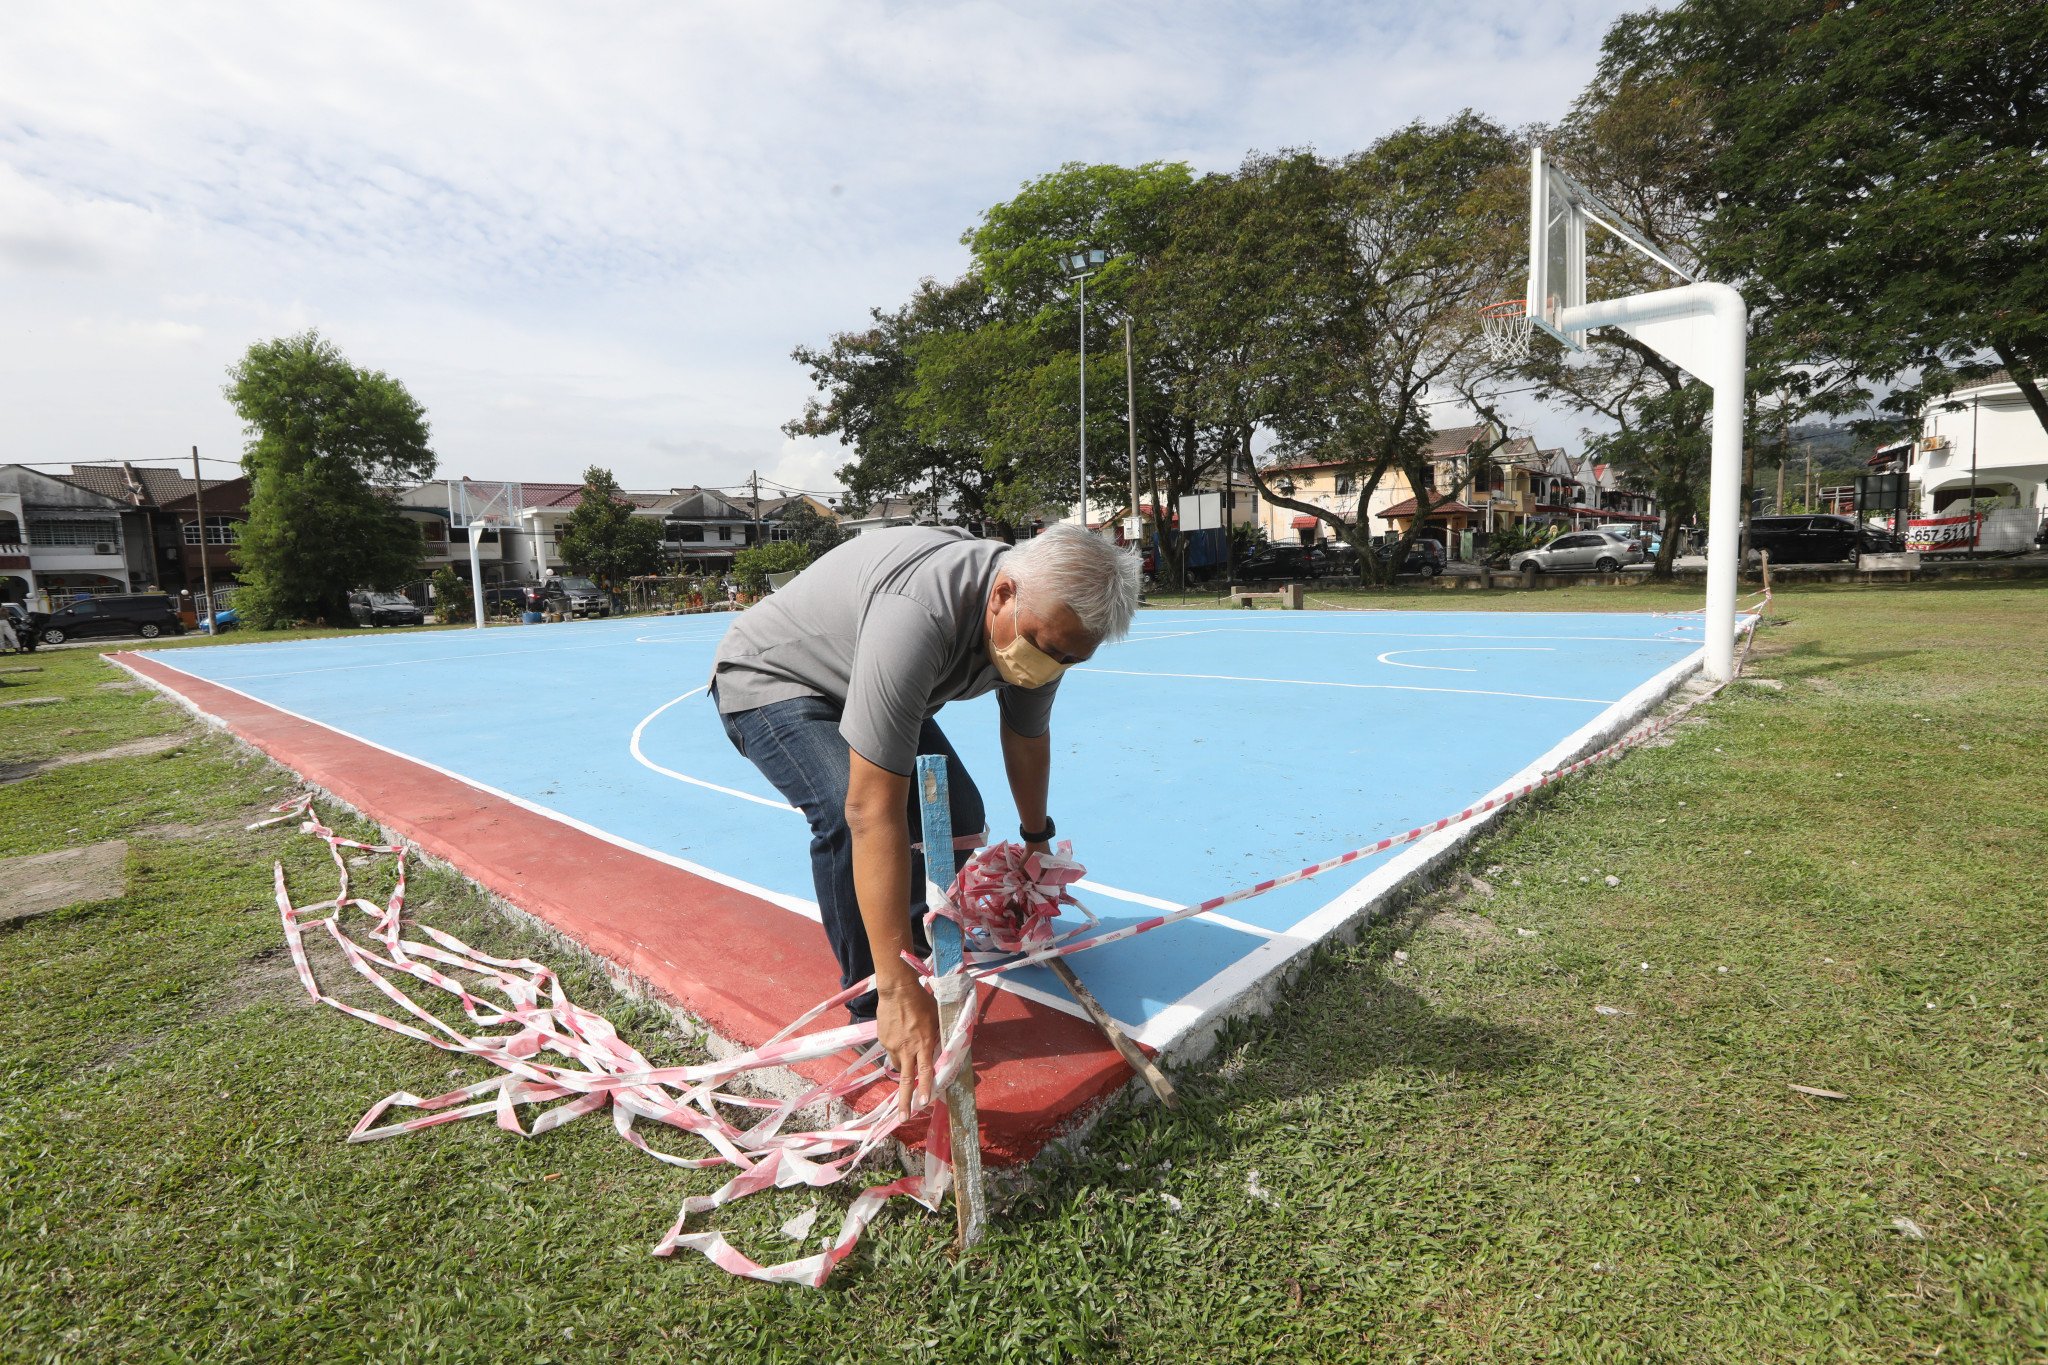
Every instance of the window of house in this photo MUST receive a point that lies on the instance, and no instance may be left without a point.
(725, 533)
(1347, 483)
(10, 529)
(85, 531)
(777, 531)
(683, 533)
(219, 531)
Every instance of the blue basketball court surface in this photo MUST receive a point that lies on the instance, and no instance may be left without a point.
(1207, 751)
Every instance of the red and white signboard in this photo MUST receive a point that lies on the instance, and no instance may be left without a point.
(1933, 535)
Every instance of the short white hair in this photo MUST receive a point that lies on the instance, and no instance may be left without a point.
(1091, 575)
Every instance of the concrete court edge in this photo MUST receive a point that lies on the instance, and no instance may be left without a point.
(1037, 1067)
(1031, 1097)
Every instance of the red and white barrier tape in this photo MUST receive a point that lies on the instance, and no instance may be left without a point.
(1005, 898)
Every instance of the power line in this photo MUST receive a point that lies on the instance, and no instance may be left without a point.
(150, 462)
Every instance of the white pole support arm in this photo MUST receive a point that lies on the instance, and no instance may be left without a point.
(1704, 329)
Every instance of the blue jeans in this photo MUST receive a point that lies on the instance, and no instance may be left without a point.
(797, 746)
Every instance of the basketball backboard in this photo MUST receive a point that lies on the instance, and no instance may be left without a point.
(483, 501)
(1560, 209)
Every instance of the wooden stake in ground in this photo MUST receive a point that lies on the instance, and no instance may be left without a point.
(1147, 1070)
(951, 985)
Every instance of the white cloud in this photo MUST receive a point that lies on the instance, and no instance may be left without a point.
(593, 233)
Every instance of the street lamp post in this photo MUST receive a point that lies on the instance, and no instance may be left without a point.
(1080, 265)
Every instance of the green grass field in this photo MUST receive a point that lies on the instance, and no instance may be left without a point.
(1837, 882)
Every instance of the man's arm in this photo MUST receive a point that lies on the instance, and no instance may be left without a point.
(1028, 761)
(906, 1016)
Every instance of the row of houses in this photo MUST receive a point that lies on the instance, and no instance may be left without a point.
(1498, 485)
(113, 528)
(701, 528)
(116, 528)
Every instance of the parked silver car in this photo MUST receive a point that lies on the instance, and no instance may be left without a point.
(1581, 551)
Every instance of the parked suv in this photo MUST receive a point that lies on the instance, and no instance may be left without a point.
(1817, 539)
(576, 597)
(1586, 551)
(1424, 556)
(385, 609)
(146, 614)
(1278, 562)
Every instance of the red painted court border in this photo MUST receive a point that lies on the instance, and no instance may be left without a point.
(740, 965)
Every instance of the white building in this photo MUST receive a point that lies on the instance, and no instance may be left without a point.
(1982, 441)
(59, 540)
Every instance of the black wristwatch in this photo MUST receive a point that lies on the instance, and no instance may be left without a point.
(1041, 836)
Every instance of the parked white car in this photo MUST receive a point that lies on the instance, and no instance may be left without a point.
(1579, 551)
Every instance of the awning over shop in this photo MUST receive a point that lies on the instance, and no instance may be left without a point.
(1453, 508)
(1304, 523)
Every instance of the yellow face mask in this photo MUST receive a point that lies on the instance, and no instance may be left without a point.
(1021, 663)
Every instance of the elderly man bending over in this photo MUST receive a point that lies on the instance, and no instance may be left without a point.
(829, 687)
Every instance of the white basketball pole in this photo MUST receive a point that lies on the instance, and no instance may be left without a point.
(1703, 328)
(476, 573)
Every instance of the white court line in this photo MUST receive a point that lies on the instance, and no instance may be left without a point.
(1230, 987)
(1388, 657)
(1441, 635)
(1169, 635)
(1098, 888)
(1362, 687)
(644, 761)
(795, 904)
(456, 658)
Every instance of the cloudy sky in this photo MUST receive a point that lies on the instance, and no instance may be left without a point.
(592, 233)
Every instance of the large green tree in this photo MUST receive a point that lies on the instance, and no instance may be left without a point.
(328, 445)
(603, 539)
(1881, 175)
(1353, 288)
(968, 394)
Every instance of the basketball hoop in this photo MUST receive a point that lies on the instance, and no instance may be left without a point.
(1505, 328)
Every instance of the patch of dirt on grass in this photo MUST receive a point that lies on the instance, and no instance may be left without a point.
(1472, 928)
(264, 976)
(38, 883)
(134, 748)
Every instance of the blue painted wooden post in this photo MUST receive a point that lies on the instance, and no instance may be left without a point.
(951, 987)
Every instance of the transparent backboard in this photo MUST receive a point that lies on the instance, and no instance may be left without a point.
(483, 501)
(1560, 208)
(1557, 248)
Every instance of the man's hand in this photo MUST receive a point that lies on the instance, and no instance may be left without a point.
(907, 1024)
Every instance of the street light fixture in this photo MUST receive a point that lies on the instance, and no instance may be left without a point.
(1079, 266)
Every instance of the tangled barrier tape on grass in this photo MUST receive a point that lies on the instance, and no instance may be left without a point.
(552, 1051)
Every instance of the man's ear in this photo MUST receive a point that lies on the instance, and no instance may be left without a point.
(1005, 592)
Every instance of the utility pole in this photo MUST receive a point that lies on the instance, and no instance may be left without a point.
(199, 511)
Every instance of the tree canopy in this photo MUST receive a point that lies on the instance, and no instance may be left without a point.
(1880, 173)
(328, 445)
(602, 538)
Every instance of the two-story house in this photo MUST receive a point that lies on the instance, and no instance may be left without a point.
(1981, 447)
(59, 540)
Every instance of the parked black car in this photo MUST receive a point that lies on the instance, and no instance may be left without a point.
(1278, 562)
(513, 598)
(28, 625)
(146, 614)
(572, 596)
(1806, 539)
(1425, 557)
(385, 609)
(1335, 558)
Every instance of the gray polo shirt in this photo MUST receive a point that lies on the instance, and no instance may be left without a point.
(889, 625)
